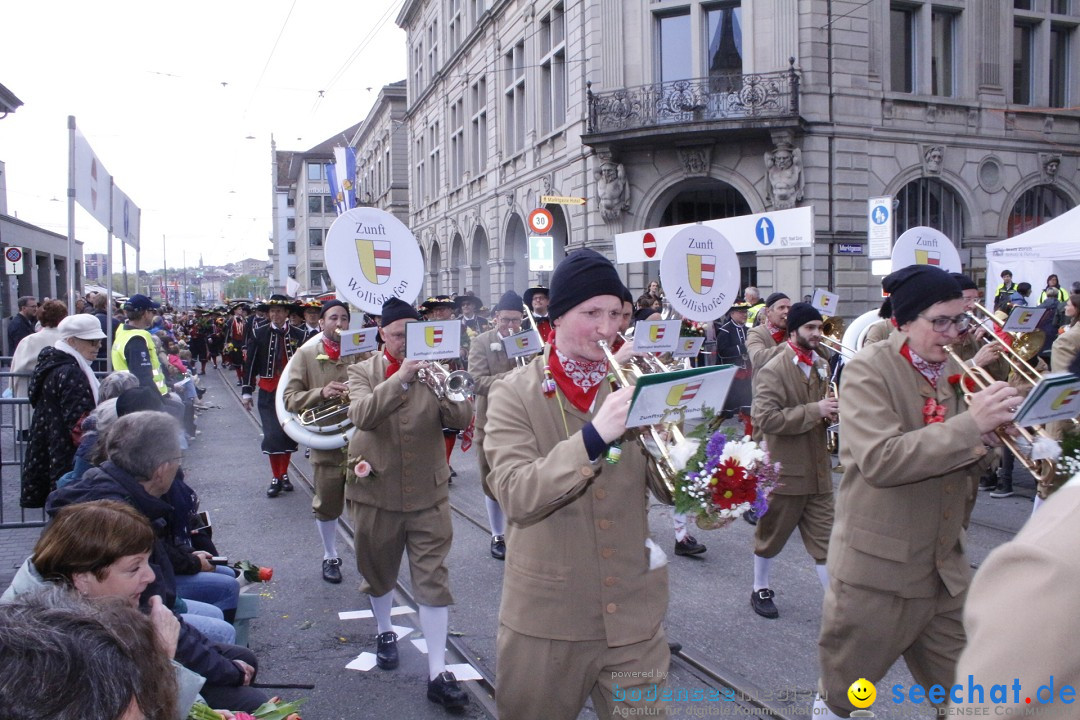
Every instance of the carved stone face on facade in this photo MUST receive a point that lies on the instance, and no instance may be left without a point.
(1051, 164)
(784, 178)
(933, 157)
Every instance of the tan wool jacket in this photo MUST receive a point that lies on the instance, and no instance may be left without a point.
(785, 410)
(399, 432)
(307, 377)
(577, 566)
(908, 488)
(486, 366)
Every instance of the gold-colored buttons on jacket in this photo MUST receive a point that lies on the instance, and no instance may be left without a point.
(604, 524)
(611, 608)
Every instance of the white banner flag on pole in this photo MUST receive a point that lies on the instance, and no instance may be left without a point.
(92, 181)
(126, 217)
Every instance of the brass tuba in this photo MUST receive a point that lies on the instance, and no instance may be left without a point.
(324, 427)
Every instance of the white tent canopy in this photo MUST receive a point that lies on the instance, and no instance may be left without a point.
(1051, 248)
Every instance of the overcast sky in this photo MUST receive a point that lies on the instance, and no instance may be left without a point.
(167, 95)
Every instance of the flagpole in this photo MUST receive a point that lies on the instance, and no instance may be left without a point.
(108, 304)
(123, 259)
(164, 274)
(70, 264)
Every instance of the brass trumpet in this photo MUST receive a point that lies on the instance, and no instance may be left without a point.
(1042, 470)
(457, 385)
(832, 431)
(1018, 355)
(650, 438)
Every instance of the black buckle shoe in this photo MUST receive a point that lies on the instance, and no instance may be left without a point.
(286, 484)
(446, 691)
(750, 516)
(386, 655)
(498, 547)
(688, 546)
(1003, 490)
(761, 601)
(331, 570)
(275, 488)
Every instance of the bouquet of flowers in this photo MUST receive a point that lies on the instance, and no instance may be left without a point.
(725, 476)
(253, 573)
(272, 709)
(692, 328)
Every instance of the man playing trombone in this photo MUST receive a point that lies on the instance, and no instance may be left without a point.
(488, 362)
(585, 588)
(403, 505)
(318, 378)
(912, 454)
(793, 405)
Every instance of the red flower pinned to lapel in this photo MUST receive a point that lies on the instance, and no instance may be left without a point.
(932, 412)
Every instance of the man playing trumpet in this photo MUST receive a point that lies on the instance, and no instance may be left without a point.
(912, 451)
(403, 505)
(585, 589)
(792, 408)
(318, 376)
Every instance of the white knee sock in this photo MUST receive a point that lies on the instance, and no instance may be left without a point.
(822, 574)
(380, 608)
(678, 521)
(1035, 506)
(821, 710)
(496, 517)
(761, 572)
(433, 623)
(328, 533)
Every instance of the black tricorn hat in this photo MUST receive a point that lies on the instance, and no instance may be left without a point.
(538, 290)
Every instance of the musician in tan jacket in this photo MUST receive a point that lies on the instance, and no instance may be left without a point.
(763, 341)
(1019, 619)
(912, 451)
(585, 589)
(792, 405)
(403, 505)
(488, 362)
(317, 375)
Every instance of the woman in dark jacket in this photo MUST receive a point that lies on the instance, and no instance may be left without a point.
(63, 390)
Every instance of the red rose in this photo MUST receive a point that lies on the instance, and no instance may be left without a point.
(266, 574)
(954, 379)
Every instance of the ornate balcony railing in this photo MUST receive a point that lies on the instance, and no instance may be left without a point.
(717, 98)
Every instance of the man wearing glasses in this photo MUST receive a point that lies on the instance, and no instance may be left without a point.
(913, 451)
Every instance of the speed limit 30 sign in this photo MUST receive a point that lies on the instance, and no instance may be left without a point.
(540, 221)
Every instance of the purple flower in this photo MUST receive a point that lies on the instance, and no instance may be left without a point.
(715, 447)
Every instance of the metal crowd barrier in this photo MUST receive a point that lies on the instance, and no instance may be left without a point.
(14, 420)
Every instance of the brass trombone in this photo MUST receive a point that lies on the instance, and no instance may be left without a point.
(1025, 346)
(1042, 470)
(831, 332)
(650, 438)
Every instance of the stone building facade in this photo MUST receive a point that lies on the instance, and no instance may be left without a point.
(662, 112)
(382, 151)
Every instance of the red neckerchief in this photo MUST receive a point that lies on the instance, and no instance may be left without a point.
(333, 349)
(804, 356)
(930, 371)
(778, 334)
(578, 380)
(392, 365)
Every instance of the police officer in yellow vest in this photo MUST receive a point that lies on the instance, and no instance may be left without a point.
(133, 348)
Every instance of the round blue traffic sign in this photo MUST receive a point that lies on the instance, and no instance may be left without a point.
(765, 231)
(880, 215)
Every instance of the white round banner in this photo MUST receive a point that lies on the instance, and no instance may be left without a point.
(925, 246)
(700, 273)
(372, 256)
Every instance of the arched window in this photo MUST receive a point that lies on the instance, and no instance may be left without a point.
(719, 200)
(1036, 206)
(928, 202)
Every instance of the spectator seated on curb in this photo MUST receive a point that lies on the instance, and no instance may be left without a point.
(140, 457)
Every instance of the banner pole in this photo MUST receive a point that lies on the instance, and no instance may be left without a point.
(70, 264)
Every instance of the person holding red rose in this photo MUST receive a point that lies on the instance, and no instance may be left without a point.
(792, 407)
(898, 574)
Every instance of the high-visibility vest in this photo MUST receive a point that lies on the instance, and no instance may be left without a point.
(123, 335)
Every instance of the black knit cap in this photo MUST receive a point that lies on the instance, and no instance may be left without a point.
(964, 281)
(800, 314)
(136, 399)
(916, 287)
(395, 309)
(510, 300)
(332, 304)
(582, 275)
(775, 298)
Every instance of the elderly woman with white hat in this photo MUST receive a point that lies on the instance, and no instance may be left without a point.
(63, 390)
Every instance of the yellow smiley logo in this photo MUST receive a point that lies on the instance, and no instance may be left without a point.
(862, 693)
